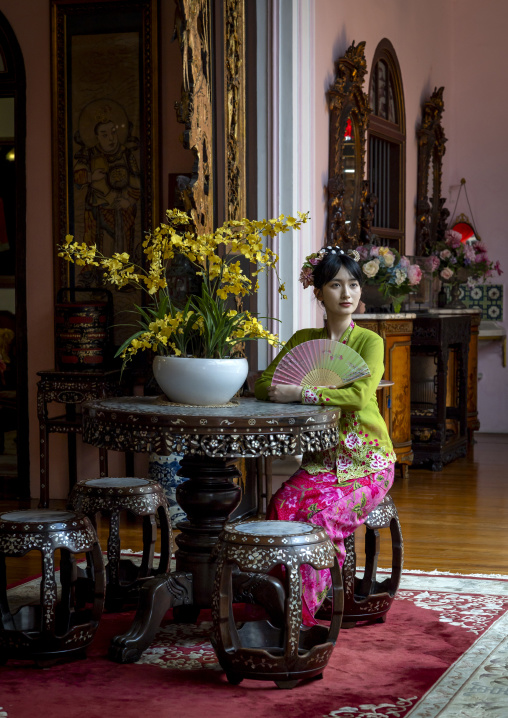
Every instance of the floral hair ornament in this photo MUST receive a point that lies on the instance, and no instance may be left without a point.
(307, 273)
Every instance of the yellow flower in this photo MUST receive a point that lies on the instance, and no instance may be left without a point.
(215, 259)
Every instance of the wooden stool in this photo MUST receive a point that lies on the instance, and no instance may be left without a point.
(54, 628)
(367, 599)
(259, 649)
(141, 497)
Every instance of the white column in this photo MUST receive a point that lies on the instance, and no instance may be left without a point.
(286, 153)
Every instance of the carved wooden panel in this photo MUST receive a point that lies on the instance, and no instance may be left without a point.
(349, 114)
(473, 423)
(195, 109)
(398, 367)
(234, 111)
(431, 216)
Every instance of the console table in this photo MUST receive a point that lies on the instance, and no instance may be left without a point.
(439, 380)
(211, 439)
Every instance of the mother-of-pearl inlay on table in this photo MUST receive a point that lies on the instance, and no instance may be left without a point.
(211, 439)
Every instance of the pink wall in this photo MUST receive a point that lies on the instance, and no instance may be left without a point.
(419, 33)
(480, 155)
(462, 46)
(34, 38)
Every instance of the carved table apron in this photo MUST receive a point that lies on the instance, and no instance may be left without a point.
(210, 439)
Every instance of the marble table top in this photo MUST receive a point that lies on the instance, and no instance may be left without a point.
(247, 428)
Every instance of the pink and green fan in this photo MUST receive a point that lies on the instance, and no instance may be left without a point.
(320, 362)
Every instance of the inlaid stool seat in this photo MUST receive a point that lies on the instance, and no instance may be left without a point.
(140, 497)
(283, 652)
(56, 627)
(367, 599)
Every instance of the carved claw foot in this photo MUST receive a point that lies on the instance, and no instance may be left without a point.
(156, 597)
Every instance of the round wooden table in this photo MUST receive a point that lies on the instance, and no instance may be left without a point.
(211, 439)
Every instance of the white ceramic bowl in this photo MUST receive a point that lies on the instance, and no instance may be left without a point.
(200, 382)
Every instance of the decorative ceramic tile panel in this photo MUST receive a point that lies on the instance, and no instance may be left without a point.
(488, 298)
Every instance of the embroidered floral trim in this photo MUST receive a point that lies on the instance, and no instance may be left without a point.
(356, 455)
(309, 396)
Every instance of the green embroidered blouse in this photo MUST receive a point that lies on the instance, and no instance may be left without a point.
(364, 446)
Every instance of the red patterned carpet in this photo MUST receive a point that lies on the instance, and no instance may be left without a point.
(442, 652)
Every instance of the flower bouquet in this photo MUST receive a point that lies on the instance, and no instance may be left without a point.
(455, 261)
(206, 325)
(393, 274)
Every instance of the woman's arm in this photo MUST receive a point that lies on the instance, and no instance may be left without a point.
(355, 396)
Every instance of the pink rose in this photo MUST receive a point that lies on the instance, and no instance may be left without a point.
(363, 251)
(446, 273)
(374, 251)
(445, 254)
(404, 262)
(414, 274)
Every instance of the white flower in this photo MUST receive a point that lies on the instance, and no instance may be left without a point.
(352, 440)
(400, 276)
(370, 269)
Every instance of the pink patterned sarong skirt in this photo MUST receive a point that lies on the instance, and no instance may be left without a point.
(338, 508)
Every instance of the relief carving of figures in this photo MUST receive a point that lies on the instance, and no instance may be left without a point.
(107, 168)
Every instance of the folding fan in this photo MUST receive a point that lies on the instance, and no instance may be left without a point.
(320, 362)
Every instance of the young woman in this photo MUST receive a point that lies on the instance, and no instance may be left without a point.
(337, 488)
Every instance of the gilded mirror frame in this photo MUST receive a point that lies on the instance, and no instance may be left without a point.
(430, 212)
(347, 100)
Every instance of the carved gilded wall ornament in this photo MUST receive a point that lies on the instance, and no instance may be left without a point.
(431, 218)
(200, 100)
(195, 109)
(234, 109)
(349, 113)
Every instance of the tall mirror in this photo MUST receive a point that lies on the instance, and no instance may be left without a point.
(431, 214)
(349, 112)
(14, 475)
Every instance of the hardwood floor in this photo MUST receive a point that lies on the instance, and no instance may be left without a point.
(455, 520)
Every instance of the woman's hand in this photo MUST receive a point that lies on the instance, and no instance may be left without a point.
(285, 393)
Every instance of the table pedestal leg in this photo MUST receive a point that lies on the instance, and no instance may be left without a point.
(208, 499)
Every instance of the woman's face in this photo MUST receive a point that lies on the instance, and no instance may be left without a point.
(341, 295)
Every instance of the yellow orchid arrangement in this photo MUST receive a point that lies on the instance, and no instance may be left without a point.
(206, 325)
